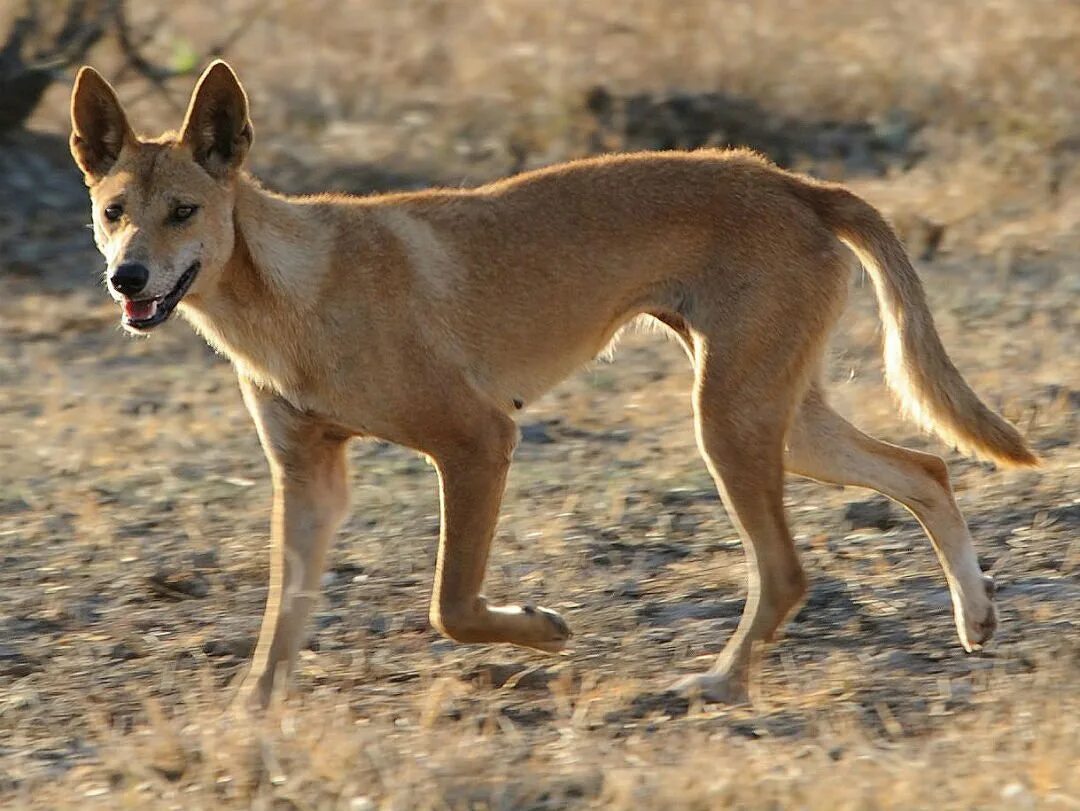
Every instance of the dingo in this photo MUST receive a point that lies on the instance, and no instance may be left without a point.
(427, 318)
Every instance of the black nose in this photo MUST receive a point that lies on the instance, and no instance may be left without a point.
(129, 278)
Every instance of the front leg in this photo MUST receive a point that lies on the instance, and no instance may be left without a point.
(472, 475)
(310, 479)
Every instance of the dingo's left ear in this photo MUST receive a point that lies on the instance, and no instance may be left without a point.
(99, 128)
(216, 127)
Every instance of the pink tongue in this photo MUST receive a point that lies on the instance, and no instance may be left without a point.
(139, 310)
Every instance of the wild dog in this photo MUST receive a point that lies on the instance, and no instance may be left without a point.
(427, 319)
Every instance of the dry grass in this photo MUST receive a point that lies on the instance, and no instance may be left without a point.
(133, 495)
(319, 754)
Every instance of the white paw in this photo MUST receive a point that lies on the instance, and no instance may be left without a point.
(712, 687)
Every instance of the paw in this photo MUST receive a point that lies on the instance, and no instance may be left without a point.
(552, 631)
(716, 688)
(253, 697)
(977, 622)
(977, 630)
(261, 689)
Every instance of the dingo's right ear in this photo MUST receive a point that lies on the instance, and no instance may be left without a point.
(99, 128)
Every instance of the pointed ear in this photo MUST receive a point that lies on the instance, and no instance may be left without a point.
(99, 128)
(216, 127)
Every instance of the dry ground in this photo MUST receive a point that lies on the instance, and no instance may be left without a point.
(133, 494)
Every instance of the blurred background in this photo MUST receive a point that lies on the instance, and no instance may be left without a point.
(133, 495)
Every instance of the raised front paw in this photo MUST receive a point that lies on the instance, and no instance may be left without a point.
(547, 630)
(528, 626)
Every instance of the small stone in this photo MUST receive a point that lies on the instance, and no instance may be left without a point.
(501, 673)
(177, 585)
(627, 588)
(13, 505)
(660, 635)
(443, 647)
(378, 625)
(537, 433)
(238, 647)
(685, 495)
(123, 652)
(205, 560)
(874, 513)
(18, 666)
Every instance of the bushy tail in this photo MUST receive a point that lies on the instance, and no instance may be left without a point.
(917, 368)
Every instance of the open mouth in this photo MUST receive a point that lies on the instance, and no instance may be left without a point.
(145, 314)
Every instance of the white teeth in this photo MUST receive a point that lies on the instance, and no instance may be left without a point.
(153, 308)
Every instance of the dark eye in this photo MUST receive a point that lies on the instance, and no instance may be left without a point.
(114, 212)
(183, 212)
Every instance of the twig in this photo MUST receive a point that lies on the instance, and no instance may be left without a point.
(157, 74)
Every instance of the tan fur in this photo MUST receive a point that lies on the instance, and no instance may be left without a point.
(428, 318)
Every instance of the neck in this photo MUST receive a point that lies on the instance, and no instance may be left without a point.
(258, 303)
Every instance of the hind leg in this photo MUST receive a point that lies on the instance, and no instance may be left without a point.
(822, 445)
(741, 421)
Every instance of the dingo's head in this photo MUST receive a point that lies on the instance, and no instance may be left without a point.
(162, 207)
